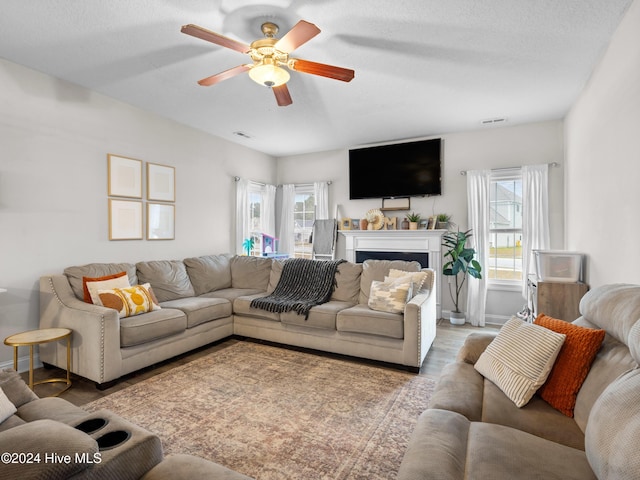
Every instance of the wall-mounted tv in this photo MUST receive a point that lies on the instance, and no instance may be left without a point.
(399, 170)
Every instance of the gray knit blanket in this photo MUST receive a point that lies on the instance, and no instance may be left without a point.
(303, 284)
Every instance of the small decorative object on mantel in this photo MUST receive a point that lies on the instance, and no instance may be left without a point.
(404, 224)
(363, 224)
(431, 224)
(443, 221)
(375, 219)
(390, 223)
(413, 219)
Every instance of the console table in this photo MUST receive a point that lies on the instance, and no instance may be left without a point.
(391, 242)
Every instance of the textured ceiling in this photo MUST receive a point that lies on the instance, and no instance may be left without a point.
(423, 67)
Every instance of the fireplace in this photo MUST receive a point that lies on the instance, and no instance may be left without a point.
(420, 245)
(420, 257)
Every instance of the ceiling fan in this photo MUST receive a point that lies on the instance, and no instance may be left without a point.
(269, 55)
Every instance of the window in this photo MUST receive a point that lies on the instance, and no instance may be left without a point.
(256, 207)
(303, 216)
(505, 227)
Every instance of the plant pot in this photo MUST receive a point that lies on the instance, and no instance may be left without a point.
(457, 318)
(442, 225)
(413, 225)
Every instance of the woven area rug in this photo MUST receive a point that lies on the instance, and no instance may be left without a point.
(273, 413)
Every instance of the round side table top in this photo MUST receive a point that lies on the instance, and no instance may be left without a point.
(33, 337)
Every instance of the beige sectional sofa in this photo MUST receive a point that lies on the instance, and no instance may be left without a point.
(208, 298)
(473, 431)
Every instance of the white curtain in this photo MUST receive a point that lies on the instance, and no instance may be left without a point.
(478, 182)
(321, 194)
(242, 213)
(535, 216)
(287, 236)
(269, 213)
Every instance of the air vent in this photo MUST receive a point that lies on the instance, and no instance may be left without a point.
(493, 121)
(241, 134)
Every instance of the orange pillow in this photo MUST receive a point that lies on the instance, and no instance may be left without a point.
(85, 289)
(572, 365)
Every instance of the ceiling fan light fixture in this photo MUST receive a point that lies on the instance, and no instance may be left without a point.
(268, 74)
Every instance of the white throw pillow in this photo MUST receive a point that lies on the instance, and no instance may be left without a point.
(6, 407)
(520, 359)
(389, 296)
(95, 287)
(417, 278)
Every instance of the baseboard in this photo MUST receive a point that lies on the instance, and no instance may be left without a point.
(488, 319)
(23, 363)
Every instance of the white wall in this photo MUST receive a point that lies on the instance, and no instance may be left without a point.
(53, 185)
(489, 148)
(603, 162)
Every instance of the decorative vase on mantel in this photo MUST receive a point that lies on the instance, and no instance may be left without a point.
(404, 224)
(363, 224)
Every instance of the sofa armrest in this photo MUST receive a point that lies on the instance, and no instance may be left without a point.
(41, 450)
(419, 327)
(96, 332)
(473, 346)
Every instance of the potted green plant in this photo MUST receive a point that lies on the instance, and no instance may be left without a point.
(413, 218)
(461, 262)
(443, 221)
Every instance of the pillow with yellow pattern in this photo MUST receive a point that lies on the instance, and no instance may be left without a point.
(129, 301)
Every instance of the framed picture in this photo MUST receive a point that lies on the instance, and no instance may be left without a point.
(355, 224)
(124, 178)
(161, 220)
(431, 225)
(345, 224)
(125, 219)
(161, 183)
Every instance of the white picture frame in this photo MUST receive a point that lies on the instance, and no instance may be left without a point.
(125, 219)
(124, 176)
(161, 220)
(161, 182)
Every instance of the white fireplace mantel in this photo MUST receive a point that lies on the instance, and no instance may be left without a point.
(418, 241)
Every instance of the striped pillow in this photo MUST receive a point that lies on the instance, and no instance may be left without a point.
(520, 358)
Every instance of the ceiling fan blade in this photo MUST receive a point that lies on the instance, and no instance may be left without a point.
(329, 71)
(213, 37)
(300, 34)
(218, 77)
(282, 95)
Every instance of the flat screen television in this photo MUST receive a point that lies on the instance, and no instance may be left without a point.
(399, 170)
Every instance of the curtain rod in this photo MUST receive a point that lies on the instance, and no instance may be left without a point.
(551, 164)
(329, 182)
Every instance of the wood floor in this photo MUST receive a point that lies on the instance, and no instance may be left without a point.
(448, 340)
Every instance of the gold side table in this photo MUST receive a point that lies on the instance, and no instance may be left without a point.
(35, 337)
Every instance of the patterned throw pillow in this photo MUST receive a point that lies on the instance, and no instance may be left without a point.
(129, 301)
(389, 296)
(572, 365)
(6, 407)
(520, 358)
(90, 286)
(417, 278)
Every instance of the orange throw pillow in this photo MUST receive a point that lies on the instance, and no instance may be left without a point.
(572, 365)
(85, 289)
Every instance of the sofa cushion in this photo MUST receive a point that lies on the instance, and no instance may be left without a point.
(201, 309)
(250, 272)
(242, 306)
(361, 319)
(459, 449)
(348, 279)
(53, 408)
(12, 421)
(377, 270)
(168, 278)
(611, 438)
(573, 362)
(90, 286)
(232, 293)
(151, 326)
(6, 407)
(129, 301)
(209, 273)
(320, 316)
(96, 270)
(15, 389)
(520, 358)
